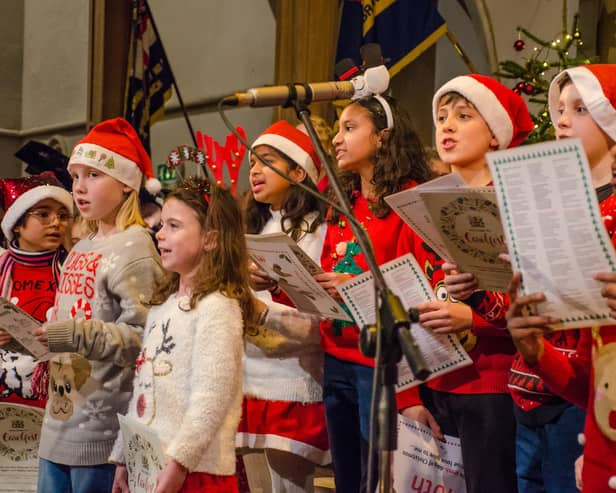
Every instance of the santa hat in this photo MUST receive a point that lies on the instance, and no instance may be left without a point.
(114, 148)
(597, 87)
(294, 143)
(18, 195)
(503, 110)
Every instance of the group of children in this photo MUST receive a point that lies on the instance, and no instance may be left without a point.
(202, 346)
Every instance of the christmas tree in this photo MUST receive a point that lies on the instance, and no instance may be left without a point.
(534, 74)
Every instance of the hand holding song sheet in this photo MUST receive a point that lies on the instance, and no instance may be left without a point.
(443, 353)
(143, 455)
(461, 224)
(554, 229)
(285, 262)
(21, 325)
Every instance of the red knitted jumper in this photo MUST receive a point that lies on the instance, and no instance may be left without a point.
(29, 280)
(390, 237)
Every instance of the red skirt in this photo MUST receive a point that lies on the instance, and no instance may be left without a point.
(203, 482)
(289, 426)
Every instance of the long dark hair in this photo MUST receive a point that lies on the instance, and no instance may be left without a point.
(223, 267)
(296, 205)
(400, 159)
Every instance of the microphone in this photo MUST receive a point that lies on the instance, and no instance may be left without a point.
(374, 80)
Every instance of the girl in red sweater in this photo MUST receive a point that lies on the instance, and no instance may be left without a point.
(378, 154)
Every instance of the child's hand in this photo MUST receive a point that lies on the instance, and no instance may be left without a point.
(40, 335)
(329, 281)
(526, 329)
(579, 465)
(444, 317)
(609, 289)
(120, 480)
(460, 285)
(422, 415)
(259, 279)
(5, 337)
(171, 478)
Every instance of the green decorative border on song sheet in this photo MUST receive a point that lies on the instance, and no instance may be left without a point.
(589, 201)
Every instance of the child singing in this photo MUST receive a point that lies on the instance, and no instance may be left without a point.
(188, 384)
(378, 154)
(283, 408)
(99, 312)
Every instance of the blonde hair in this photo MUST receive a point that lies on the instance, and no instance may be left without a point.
(128, 215)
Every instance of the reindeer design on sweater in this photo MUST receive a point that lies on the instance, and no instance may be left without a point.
(150, 367)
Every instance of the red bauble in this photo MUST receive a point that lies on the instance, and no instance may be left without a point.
(517, 91)
(529, 88)
(520, 86)
(519, 45)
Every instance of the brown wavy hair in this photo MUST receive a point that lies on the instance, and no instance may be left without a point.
(400, 159)
(297, 204)
(223, 267)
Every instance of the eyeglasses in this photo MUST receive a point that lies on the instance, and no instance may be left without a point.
(47, 217)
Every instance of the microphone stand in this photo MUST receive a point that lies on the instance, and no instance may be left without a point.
(393, 334)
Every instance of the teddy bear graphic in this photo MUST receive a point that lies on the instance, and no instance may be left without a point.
(605, 390)
(67, 375)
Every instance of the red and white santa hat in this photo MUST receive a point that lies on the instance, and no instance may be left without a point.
(503, 110)
(596, 85)
(294, 143)
(114, 148)
(18, 195)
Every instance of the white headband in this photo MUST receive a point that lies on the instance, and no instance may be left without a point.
(387, 109)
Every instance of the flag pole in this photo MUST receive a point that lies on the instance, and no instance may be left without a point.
(173, 81)
(456, 45)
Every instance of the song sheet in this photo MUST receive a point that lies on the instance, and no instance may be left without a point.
(422, 463)
(469, 222)
(285, 262)
(555, 232)
(143, 454)
(443, 353)
(20, 431)
(21, 325)
(409, 205)
(461, 224)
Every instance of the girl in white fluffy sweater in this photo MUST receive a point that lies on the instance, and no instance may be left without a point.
(188, 382)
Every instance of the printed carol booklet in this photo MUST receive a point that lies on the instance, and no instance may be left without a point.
(143, 454)
(20, 430)
(442, 352)
(284, 261)
(556, 235)
(461, 224)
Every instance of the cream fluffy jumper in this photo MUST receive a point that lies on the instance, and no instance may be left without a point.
(188, 382)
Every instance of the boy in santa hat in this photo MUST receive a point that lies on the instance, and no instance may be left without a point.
(547, 424)
(473, 114)
(582, 104)
(38, 212)
(99, 312)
